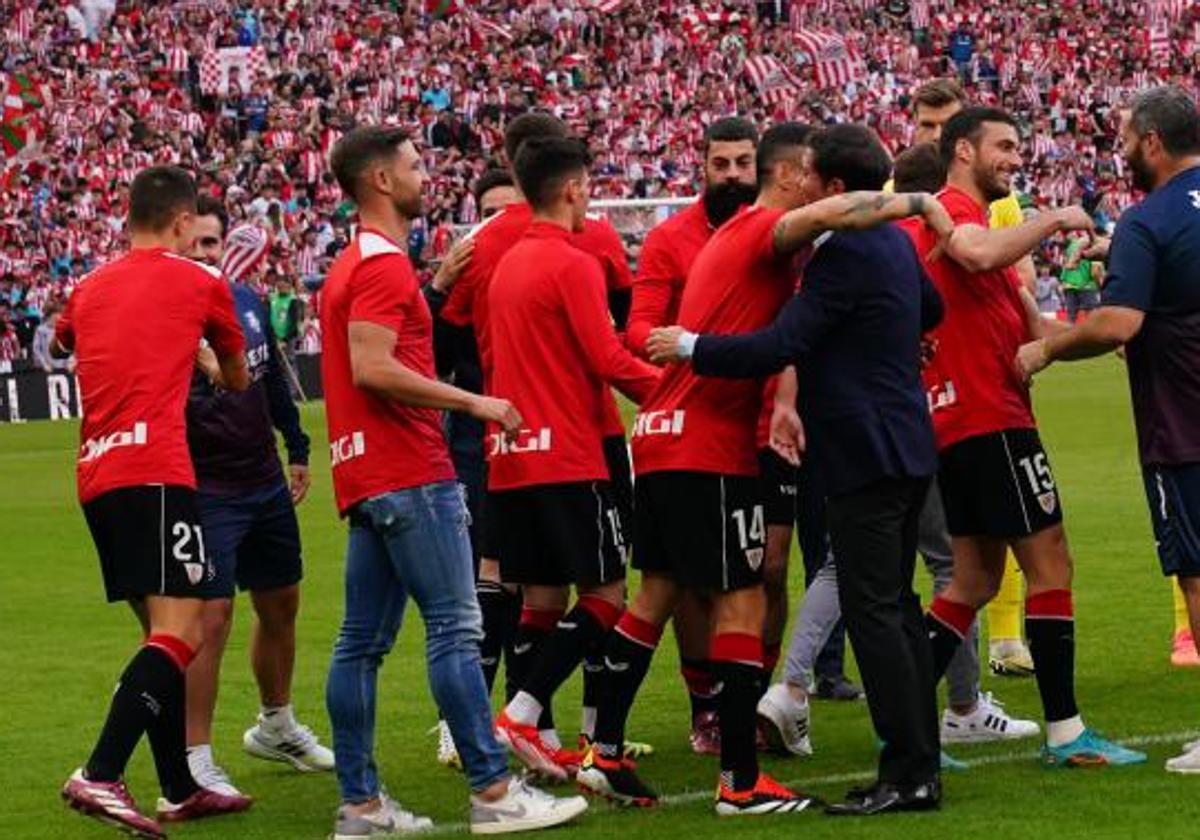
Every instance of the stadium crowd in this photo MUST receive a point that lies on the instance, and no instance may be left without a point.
(116, 86)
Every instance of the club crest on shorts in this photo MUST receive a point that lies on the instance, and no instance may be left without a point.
(1048, 501)
(195, 571)
(754, 557)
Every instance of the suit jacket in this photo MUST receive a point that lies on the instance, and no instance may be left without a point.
(854, 333)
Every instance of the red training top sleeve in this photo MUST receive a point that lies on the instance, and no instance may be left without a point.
(382, 290)
(222, 329)
(587, 312)
(654, 293)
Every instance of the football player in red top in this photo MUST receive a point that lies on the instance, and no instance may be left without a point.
(699, 519)
(730, 182)
(393, 480)
(996, 482)
(555, 350)
(467, 309)
(135, 326)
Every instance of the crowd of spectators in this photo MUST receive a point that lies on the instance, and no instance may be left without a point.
(123, 85)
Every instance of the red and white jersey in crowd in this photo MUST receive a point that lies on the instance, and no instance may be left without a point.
(306, 261)
(192, 122)
(177, 59)
(312, 164)
(281, 139)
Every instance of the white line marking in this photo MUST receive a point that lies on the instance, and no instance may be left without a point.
(674, 800)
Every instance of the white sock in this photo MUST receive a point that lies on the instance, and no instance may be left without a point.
(524, 709)
(200, 753)
(587, 725)
(278, 718)
(550, 738)
(1061, 732)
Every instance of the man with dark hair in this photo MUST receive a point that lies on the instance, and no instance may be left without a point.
(394, 480)
(137, 485)
(493, 191)
(467, 309)
(854, 331)
(247, 509)
(1151, 306)
(670, 248)
(920, 169)
(983, 420)
(556, 513)
(935, 102)
(699, 519)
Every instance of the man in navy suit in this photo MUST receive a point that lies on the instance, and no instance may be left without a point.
(854, 332)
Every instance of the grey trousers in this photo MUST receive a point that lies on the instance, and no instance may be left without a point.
(820, 610)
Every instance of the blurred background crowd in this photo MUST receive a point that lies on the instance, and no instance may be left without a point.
(251, 95)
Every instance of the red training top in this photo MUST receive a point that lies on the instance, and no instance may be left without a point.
(555, 354)
(135, 325)
(377, 445)
(667, 256)
(468, 303)
(737, 284)
(972, 386)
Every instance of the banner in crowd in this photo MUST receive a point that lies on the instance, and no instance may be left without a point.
(835, 62)
(29, 393)
(219, 67)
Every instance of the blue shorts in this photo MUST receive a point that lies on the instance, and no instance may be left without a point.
(252, 538)
(1174, 496)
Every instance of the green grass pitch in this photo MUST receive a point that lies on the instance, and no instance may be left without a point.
(63, 649)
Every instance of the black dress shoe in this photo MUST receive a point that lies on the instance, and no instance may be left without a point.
(882, 798)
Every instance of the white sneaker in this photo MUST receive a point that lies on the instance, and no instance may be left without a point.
(1189, 762)
(523, 808)
(210, 775)
(388, 820)
(786, 721)
(989, 722)
(297, 746)
(447, 753)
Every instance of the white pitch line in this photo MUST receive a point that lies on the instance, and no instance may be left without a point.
(687, 797)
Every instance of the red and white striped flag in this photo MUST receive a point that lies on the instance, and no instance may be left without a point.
(919, 14)
(775, 83)
(835, 61)
(606, 7)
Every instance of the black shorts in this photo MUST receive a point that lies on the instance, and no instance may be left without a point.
(559, 534)
(780, 485)
(998, 485)
(705, 530)
(1174, 496)
(150, 542)
(252, 538)
(620, 475)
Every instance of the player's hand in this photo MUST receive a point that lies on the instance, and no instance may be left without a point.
(1031, 359)
(929, 347)
(663, 345)
(498, 411)
(787, 433)
(1098, 250)
(940, 223)
(1075, 218)
(452, 267)
(207, 364)
(299, 480)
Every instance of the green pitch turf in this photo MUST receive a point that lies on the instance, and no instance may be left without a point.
(62, 649)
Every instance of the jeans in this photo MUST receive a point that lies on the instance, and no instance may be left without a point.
(410, 542)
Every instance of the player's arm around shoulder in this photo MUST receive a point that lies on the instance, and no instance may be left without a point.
(859, 210)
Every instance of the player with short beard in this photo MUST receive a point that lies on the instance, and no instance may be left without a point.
(996, 482)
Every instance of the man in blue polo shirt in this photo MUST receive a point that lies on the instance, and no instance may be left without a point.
(247, 507)
(1151, 305)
